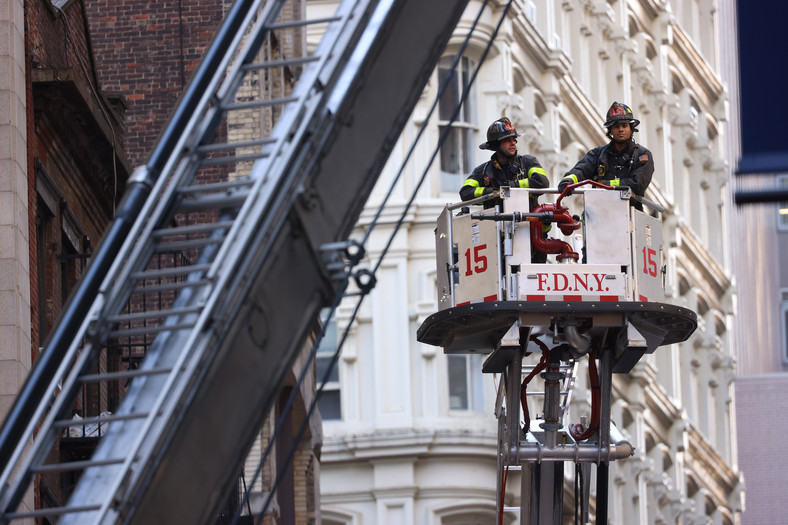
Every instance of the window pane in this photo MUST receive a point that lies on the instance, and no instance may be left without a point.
(785, 331)
(451, 95)
(328, 404)
(782, 207)
(467, 148)
(449, 151)
(321, 365)
(468, 109)
(458, 382)
(459, 147)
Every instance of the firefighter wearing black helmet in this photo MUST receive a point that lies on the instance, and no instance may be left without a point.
(621, 162)
(505, 167)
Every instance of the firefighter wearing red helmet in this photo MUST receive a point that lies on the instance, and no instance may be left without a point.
(505, 167)
(621, 162)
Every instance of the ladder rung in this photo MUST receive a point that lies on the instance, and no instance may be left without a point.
(125, 374)
(259, 103)
(153, 329)
(280, 63)
(218, 161)
(207, 227)
(540, 393)
(212, 202)
(170, 272)
(172, 286)
(303, 23)
(213, 187)
(52, 511)
(224, 146)
(65, 423)
(155, 314)
(172, 246)
(560, 367)
(75, 465)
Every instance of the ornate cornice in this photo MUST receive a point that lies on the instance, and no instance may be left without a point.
(704, 80)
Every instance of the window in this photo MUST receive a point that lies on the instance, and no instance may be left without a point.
(456, 155)
(465, 382)
(784, 323)
(329, 401)
(782, 206)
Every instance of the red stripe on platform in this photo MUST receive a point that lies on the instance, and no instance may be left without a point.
(466, 302)
(491, 298)
(534, 297)
(643, 298)
(609, 298)
(573, 298)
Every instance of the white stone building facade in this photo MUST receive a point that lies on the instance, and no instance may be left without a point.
(410, 437)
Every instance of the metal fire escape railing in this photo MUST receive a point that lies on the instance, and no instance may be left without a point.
(267, 160)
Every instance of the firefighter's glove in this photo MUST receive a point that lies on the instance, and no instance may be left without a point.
(562, 186)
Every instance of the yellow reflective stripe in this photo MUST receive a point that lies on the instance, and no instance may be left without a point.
(571, 177)
(471, 182)
(536, 170)
(524, 183)
(615, 182)
(478, 192)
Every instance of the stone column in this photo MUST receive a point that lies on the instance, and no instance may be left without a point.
(15, 350)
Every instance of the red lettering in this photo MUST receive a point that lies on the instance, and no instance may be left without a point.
(581, 280)
(480, 260)
(599, 277)
(564, 282)
(649, 264)
(542, 281)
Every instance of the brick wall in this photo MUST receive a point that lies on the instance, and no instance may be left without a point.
(148, 51)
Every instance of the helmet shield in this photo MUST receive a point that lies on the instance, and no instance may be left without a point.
(498, 130)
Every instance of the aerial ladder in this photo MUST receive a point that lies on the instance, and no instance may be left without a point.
(598, 297)
(256, 192)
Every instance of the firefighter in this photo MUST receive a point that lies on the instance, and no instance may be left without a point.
(621, 162)
(505, 167)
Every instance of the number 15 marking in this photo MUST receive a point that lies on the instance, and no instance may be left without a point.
(649, 264)
(479, 260)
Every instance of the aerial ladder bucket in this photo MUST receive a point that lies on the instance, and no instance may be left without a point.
(538, 306)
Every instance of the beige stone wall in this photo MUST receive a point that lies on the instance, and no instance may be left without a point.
(15, 351)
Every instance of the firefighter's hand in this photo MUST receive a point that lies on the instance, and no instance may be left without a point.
(562, 186)
(496, 194)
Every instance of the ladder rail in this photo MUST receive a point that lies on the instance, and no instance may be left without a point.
(173, 390)
(42, 442)
(193, 322)
(129, 255)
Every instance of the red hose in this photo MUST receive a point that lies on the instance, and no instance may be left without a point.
(596, 401)
(538, 368)
(566, 223)
(504, 475)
